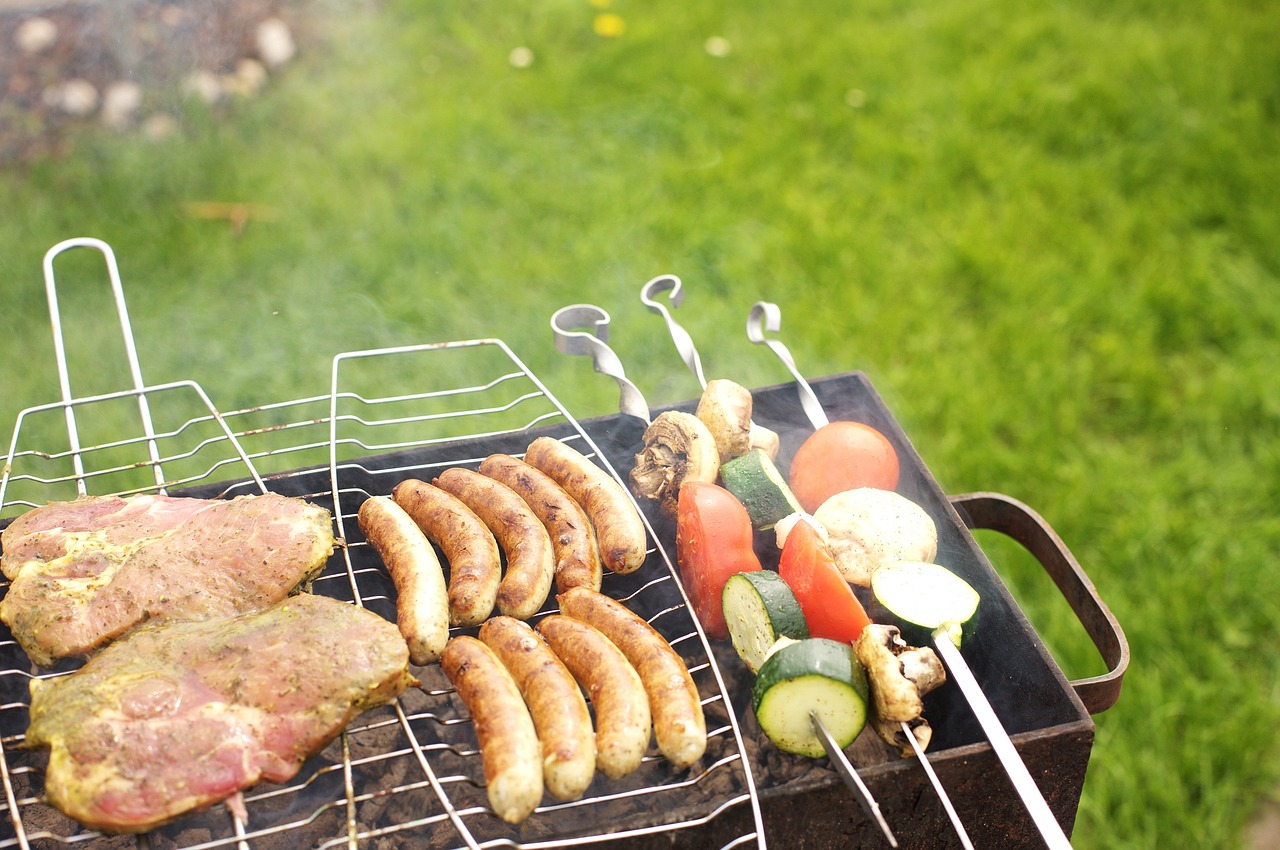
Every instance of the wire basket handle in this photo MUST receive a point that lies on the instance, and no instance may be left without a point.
(131, 352)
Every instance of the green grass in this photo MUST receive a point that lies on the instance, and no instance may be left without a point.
(1048, 232)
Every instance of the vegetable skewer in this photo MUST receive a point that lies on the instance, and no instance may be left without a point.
(689, 353)
(1034, 801)
(766, 317)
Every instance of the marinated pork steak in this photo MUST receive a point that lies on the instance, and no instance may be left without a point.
(87, 571)
(177, 716)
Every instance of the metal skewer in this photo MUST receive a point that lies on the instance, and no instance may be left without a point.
(933, 779)
(1026, 787)
(689, 353)
(565, 324)
(684, 343)
(765, 316)
(850, 776)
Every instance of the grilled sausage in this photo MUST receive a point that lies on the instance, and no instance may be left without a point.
(572, 538)
(559, 711)
(619, 530)
(678, 721)
(508, 741)
(623, 719)
(520, 534)
(475, 566)
(422, 607)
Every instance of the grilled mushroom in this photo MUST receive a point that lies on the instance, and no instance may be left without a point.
(678, 447)
(899, 676)
(725, 408)
(892, 733)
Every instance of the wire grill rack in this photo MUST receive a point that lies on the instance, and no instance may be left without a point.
(408, 774)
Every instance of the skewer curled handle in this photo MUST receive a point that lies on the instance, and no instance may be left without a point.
(998, 512)
(683, 341)
(565, 324)
(765, 317)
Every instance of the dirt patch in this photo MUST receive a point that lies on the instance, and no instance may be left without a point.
(1264, 832)
(127, 65)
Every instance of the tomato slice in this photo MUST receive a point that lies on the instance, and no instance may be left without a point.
(831, 610)
(714, 540)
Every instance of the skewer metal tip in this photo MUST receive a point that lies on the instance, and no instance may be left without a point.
(937, 787)
(850, 776)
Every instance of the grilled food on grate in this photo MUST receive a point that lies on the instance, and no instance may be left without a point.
(678, 721)
(573, 540)
(618, 528)
(530, 556)
(87, 571)
(469, 548)
(422, 603)
(178, 716)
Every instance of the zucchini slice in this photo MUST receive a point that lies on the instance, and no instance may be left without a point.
(924, 598)
(759, 608)
(814, 675)
(758, 484)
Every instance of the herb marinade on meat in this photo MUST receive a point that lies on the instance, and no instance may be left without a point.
(175, 717)
(86, 571)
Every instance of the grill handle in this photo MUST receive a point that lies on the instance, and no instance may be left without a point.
(1014, 519)
(131, 352)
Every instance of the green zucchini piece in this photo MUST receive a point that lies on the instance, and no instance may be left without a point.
(814, 675)
(925, 597)
(756, 481)
(759, 608)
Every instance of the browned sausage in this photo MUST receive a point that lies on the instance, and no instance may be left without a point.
(422, 607)
(567, 524)
(559, 712)
(678, 721)
(619, 530)
(475, 566)
(521, 535)
(621, 706)
(508, 741)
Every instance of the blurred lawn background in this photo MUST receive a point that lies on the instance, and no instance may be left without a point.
(1049, 233)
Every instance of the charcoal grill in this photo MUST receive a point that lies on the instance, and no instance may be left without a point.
(409, 775)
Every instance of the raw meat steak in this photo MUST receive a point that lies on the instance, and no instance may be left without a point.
(175, 716)
(87, 571)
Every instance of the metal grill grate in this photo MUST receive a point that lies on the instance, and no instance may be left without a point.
(408, 774)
